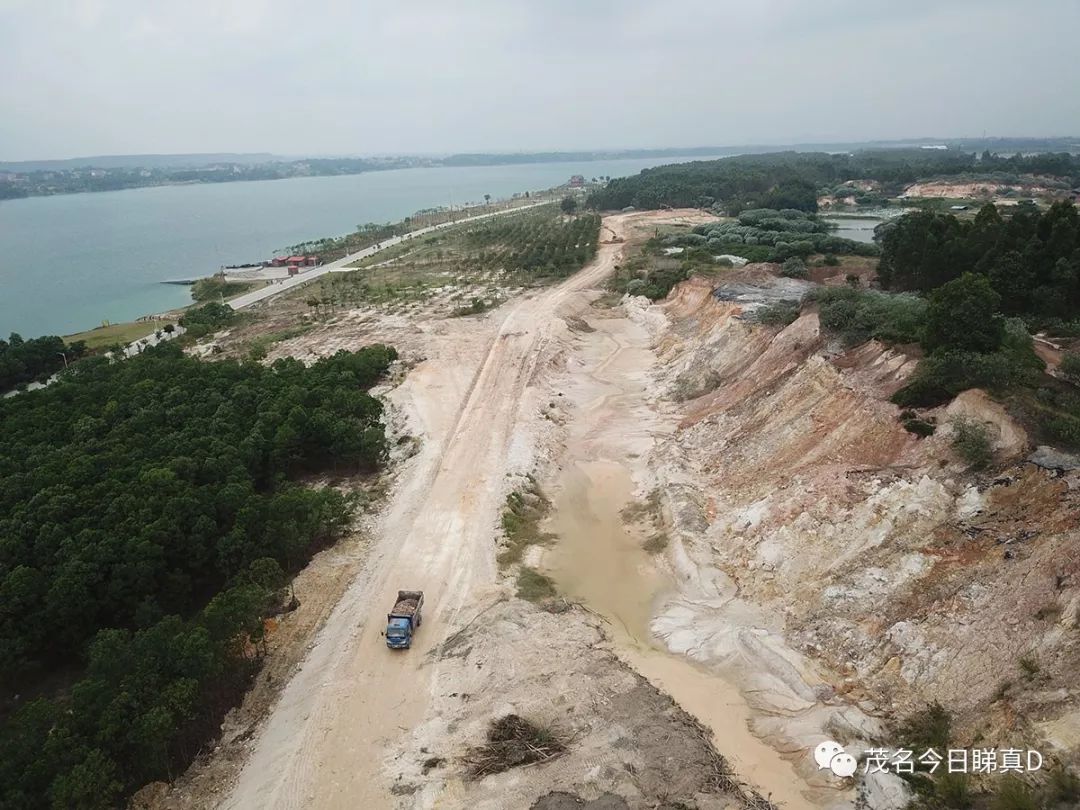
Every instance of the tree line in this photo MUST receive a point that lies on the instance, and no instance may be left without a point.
(148, 510)
(793, 179)
(970, 293)
(1031, 259)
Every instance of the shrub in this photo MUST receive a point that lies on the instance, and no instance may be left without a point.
(928, 728)
(830, 260)
(534, 586)
(1065, 429)
(794, 268)
(1070, 367)
(1030, 666)
(1012, 794)
(657, 543)
(943, 375)
(1063, 786)
(780, 313)
(954, 791)
(521, 523)
(859, 315)
(971, 439)
(660, 282)
(913, 423)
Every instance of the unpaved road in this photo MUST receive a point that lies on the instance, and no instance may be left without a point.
(325, 742)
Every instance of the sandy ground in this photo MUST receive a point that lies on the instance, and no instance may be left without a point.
(761, 444)
(615, 421)
(337, 736)
(976, 190)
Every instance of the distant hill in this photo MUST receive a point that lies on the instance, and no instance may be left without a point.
(139, 161)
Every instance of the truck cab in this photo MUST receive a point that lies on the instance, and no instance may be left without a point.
(398, 633)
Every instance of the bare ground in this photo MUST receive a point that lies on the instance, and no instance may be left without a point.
(356, 723)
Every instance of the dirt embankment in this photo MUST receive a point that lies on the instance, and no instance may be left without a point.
(983, 190)
(844, 570)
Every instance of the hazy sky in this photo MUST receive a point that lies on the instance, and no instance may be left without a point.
(81, 77)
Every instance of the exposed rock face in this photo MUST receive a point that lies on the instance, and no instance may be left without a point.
(1051, 459)
(860, 569)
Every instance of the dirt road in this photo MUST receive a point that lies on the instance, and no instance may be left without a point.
(325, 742)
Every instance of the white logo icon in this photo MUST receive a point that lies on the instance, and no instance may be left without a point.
(831, 755)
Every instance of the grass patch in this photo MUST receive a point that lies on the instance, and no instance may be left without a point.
(657, 543)
(106, 336)
(477, 306)
(521, 518)
(534, 586)
(647, 508)
(512, 741)
(216, 288)
(261, 344)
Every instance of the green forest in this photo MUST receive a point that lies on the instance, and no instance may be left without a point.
(1032, 259)
(24, 361)
(794, 179)
(971, 293)
(149, 511)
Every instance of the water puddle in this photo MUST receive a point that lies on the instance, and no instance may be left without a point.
(600, 563)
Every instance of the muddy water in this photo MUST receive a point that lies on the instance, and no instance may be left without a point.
(600, 562)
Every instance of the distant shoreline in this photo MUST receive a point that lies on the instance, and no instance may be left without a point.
(89, 179)
(147, 324)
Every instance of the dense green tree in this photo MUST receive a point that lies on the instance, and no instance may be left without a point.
(791, 179)
(147, 515)
(23, 361)
(1031, 258)
(964, 315)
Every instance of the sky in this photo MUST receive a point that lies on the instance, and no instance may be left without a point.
(336, 77)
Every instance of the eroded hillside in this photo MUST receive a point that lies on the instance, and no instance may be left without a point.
(844, 570)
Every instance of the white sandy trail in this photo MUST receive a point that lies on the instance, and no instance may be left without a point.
(325, 743)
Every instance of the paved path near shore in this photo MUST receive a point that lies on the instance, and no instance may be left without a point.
(341, 265)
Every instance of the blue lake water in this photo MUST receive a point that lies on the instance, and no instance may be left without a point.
(69, 262)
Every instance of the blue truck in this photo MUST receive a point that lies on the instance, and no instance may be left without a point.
(404, 619)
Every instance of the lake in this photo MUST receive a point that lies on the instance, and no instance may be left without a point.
(857, 228)
(71, 261)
